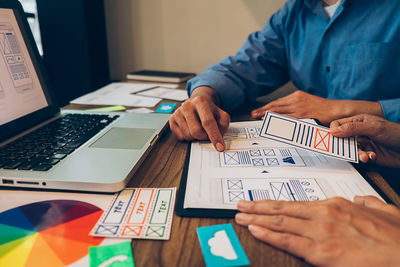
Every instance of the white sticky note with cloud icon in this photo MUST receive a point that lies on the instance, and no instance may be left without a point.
(220, 246)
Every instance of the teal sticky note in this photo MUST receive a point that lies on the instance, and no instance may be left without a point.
(166, 108)
(220, 246)
(117, 255)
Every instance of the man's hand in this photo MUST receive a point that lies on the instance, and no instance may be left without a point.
(378, 139)
(304, 105)
(200, 118)
(333, 232)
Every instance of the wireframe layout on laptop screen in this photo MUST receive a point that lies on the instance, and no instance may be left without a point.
(20, 90)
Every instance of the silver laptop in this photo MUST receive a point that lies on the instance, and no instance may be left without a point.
(43, 147)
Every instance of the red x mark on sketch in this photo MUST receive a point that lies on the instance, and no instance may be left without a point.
(322, 139)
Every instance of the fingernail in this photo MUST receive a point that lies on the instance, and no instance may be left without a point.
(370, 156)
(240, 217)
(242, 204)
(220, 147)
(250, 227)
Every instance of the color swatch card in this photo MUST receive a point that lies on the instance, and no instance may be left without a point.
(220, 246)
(140, 213)
(308, 136)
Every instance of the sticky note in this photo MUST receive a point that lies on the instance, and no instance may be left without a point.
(220, 246)
(112, 255)
(166, 108)
(308, 136)
(140, 213)
(111, 108)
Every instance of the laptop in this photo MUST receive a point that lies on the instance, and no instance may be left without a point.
(44, 147)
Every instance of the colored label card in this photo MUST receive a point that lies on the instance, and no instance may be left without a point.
(166, 108)
(140, 213)
(308, 136)
(117, 255)
(220, 246)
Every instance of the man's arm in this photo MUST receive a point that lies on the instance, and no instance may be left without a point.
(304, 105)
(259, 67)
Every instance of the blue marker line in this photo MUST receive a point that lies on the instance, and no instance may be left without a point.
(333, 144)
(308, 132)
(343, 146)
(250, 195)
(302, 136)
(355, 149)
(348, 140)
(338, 141)
(298, 134)
(311, 137)
(290, 191)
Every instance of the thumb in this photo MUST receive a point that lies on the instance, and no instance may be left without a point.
(355, 128)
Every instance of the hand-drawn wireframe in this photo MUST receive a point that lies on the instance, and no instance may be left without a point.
(239, 133)
(235, 184)
(14, 58)
(235, 196)
(289, 189)
(308, 136)
(271, 157)
(322, 140)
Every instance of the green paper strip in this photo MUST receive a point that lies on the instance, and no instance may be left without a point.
(118, 255)
(111, 108)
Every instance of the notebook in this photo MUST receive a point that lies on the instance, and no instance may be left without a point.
(44, 147)
(160, 76)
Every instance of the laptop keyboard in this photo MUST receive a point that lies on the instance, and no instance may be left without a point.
(43, 148)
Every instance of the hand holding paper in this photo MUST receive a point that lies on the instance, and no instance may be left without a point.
(308, 136)
(379, 139)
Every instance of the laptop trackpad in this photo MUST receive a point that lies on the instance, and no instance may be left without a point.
(124, 138)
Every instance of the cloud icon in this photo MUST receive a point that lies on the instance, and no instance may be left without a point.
(221, 246)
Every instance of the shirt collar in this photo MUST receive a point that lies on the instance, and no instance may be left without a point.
(317, 8)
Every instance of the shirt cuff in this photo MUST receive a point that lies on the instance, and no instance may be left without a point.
(391, 109)
(230, 95)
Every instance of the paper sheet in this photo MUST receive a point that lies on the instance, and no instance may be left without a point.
(308, 136)
(166, 93)
(141, 213)
(258, 168)
(119, 94)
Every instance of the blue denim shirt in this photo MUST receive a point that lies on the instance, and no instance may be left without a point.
(354, 55)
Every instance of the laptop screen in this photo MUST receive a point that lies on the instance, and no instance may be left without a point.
(21, 92)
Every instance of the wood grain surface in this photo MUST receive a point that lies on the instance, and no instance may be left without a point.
(163, 168)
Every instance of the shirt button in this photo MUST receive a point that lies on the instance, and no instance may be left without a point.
(328, 68)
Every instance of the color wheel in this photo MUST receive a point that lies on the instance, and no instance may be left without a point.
(47, 233)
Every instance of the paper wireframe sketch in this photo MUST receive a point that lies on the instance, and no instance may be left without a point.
(119, 94)
(140, 213)
(166, 93)
(254, 168)
(308, 136)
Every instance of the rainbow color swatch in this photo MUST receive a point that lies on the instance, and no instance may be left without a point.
(48, 233)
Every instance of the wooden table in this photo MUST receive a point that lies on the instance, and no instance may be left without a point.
(163, 168)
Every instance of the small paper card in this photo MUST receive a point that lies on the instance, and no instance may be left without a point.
(220, 246)
(140, 213)
(112, 255)
(166, 93)
(166, 108)
(308, 136)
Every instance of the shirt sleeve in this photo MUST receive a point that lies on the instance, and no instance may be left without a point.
(259, 67)
(391, 109)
